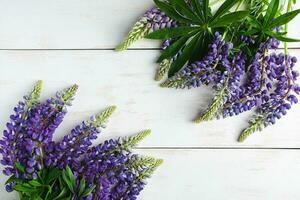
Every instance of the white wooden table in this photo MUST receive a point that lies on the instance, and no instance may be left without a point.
(71, 41)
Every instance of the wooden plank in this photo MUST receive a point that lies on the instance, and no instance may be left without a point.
(126, 80)
(220, 174)
(75, 24)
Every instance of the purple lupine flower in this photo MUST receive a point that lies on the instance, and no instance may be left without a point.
(73, 145)
(27, 148)
(156, 19)
(267, 80)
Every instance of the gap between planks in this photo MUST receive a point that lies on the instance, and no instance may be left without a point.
(105, 49)
(216, 148)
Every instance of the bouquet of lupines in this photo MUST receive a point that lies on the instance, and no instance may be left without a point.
(232, 50)
(70, 169)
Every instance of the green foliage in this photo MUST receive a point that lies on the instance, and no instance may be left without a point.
(193, 38)
(263, 27)
(51, 184)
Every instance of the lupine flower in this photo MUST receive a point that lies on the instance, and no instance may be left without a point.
(267, 85)
(108, 171)
(154, 19)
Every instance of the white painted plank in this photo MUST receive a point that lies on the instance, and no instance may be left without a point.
(70, 24)
(126, 79)
(220, 174)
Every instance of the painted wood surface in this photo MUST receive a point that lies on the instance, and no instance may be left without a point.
(220, 174)
(126, 80)
(66, 42)
(75, 24)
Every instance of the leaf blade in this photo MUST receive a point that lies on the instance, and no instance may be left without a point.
(284, 19)
(168, 33)
(229, 19)
(223, 9)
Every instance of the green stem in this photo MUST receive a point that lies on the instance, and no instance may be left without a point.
(288, 9)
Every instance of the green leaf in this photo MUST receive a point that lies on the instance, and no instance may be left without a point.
(284, 19)
(88, 191)
(271, 11)
(173, 49)
(61, 194)
(13, 179)
(24, 188)
(225, 7)
(183, 58)
(251, 32)
(205, 8)
(285, 39)
(69, 179)
(82, 186)
(20, 167)
(229, 19)
(35, 183)
(199, 44)
(183, 9)
(168, 33)
(197, 9)
(253, 22)
(169, 10)
(53, 175)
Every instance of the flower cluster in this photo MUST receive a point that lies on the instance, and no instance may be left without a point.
(267, 84)
(107, 171)
(232, 49)
(153, 20)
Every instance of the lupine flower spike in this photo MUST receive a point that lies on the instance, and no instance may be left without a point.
(232, 50)
(72, 168)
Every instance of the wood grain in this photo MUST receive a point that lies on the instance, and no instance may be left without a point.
(72, 42)
(126, 80)
(75, 24)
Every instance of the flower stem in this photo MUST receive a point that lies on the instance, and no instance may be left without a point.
(288, 9)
